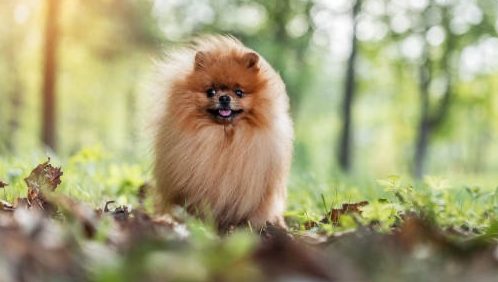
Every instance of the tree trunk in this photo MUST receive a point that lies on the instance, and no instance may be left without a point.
(50, 76)
(429, 122)
(346, 138)
(424, 126)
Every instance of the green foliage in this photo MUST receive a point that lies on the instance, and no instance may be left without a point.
(195, 252)
(446, 205)
(103, 104)
(107, 49)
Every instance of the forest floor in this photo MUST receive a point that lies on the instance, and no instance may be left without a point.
(91, 220)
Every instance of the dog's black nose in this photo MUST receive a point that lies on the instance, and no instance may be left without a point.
(225, 100)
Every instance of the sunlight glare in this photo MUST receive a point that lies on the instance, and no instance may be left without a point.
(21, 13)
(436, 35)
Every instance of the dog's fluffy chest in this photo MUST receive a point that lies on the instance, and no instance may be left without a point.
(229, 171)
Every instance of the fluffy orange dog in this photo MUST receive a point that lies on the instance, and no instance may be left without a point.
(224, 141)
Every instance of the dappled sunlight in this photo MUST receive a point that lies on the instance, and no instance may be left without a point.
(395, 153)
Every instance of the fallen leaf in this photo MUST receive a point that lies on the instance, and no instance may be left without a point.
(44, 177)
(120, 213)
(6, 206)
(35, 248)
(86, 216)
(106, 206)
(334, 215)
(280, 257)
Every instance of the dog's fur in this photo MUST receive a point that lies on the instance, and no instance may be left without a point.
(233, 169)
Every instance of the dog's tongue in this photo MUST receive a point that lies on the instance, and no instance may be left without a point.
(225, 113)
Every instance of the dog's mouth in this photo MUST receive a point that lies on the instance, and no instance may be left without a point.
(224, 114)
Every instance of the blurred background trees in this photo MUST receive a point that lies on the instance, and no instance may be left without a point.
(49, 74)
(418, 78)
(346, 134)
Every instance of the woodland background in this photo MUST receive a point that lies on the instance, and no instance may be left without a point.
(395, 109)
(377, 87)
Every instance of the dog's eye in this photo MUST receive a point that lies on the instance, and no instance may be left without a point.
(211, 92)
(239, 92)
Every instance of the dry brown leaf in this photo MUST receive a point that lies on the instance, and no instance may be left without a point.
(279, 256)
(6, 206)
(44, 177)
(334, 215)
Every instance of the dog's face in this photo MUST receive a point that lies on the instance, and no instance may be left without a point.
(227, 88)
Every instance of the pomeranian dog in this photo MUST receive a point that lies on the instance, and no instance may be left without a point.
(224, 136)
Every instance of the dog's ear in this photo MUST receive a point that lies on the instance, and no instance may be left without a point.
(250, 60)
(201, 60)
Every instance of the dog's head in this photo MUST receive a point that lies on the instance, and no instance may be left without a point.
(226, 87)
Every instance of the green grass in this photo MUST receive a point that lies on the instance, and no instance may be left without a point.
(93, 177)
